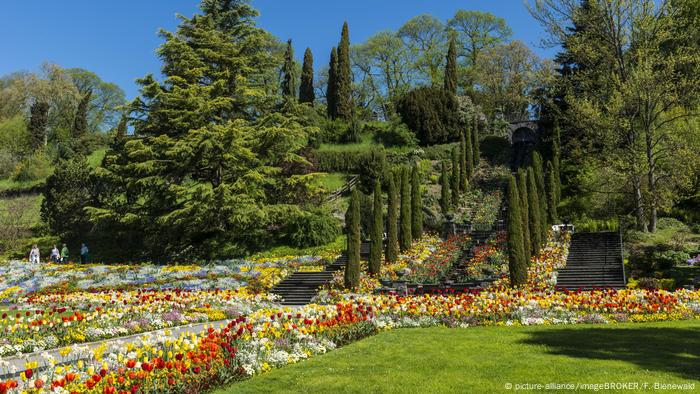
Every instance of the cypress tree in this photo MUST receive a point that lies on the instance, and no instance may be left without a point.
(405, 235)
(332, 88)
(517, 264)
(306, 89)
(80, 123)
(541, 193)
(344, 77)
(525, 212)
(392, 233)
(553, 217)
(416, 205)
(534, 220)
(455, 177)
(556, 161)
(444, 189)
(38, 122)
(451, 67)
(352, 268)
(475, 142)
(462, 163)
(469, 153)
(289, 82)
(377, 233)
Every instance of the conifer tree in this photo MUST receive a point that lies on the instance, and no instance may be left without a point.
(38, 122)
(352, 267)
(80, 123)
(122, 127)
(306, 89)
(525, 211)
(553, 217)
(405, 235)
(445, 203)
(392, 222)
(462, 163)
(475, 142)
(344, 77)
(332, 87)
(556, 162)
(454, 184)
(451, 67)
(534, 220)
(289, 82)
(416, 205)
(541, 192)
(469, 153)
(377, 233)
(517, 264)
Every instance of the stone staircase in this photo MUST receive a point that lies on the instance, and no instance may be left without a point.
(594, 261)
(301, 287)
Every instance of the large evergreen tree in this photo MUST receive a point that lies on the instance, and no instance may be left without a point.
(475, 142)
(377, 231)
(463, 174)
(352, 267)
(454, 180)
(289, 81)
(552, 217)
(451, 67)
(80, 122)
(345, 104)
(445, 203)
(306, 89)
(538, 170)
(332, 86)
(525, 211)
(38, 122)
(406, 234)
(468, 153)
(392, 221)
(517, 263)
(533, 197)
(416, 204)
(556, 162)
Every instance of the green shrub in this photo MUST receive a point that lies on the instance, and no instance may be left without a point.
(8, 162)
(496, 149)
(35, 167)
(432, 113)
(438, 152)
(368, 163)
(669, 259)
(311, 228)
(392, 134)
(45, 244)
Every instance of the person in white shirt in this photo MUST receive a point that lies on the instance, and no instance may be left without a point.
(55, 255)
(34, 257)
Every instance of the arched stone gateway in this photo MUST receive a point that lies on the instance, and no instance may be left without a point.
(523, 137)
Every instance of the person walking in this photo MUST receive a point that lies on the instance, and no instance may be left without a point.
(55, 255)
(84, 254)
(64, 254)
(34, 257)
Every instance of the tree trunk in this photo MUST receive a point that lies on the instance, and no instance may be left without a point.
(651, 178)
(639, 211)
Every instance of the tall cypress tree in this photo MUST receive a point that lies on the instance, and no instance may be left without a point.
(462, 163)
(392, 231)
(38, 122)
(445, 202)
(344, 77)
(377, 233)
(534, 204)
(306, 89)
(541, 192)
(454, 184)
(416, 205)
(332, 87)
(80, 123)
(469, 153)
(405, 235)
(525, 212)
(475, 142)
(517, 263)
(552, 217)
(352, 268)
(556, 162)
(451, 67)
(289, 82)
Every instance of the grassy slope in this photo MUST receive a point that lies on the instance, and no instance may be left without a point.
(484, 359)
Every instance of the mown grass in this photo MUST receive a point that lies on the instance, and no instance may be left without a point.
(366, 142)
(282, 251)
(486, 359)
(331, 181)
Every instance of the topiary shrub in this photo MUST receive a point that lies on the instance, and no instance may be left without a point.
(432, 113)
(314, 227)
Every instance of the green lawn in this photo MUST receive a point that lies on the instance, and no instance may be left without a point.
(486, 359)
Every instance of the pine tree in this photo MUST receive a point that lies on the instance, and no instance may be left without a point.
(306, 89)
(122, 127)
(454, 184)
(392, 231)
(463, 176)
(517, 263)
(475, 142)
(377, 233)
(344, 77)
(38, 122)
(534, 220)
(332, 87)
(289, 82)
(469, 153)
(553, 217)
(541, 192)
(416, 205)
(445, 203)
(525, 212)
(80, 123)
(65, 196)
(405, 235)
(451, 67)
(352, 267)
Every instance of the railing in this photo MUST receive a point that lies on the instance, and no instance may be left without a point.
(346, 188)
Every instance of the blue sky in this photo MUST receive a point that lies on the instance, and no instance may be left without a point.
(117, 39)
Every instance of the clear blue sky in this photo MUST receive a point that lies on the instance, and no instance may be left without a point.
(117, 39)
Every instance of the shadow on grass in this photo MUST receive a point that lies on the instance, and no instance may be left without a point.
(670, 350)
